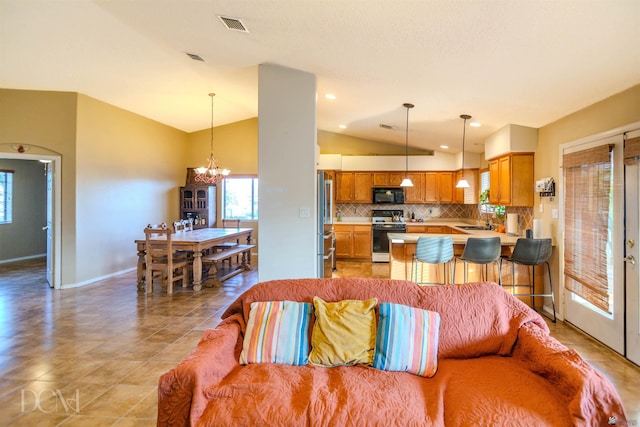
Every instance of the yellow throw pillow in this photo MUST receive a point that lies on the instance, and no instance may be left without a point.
(344, 332)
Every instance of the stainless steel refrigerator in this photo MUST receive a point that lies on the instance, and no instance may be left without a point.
(325, 235)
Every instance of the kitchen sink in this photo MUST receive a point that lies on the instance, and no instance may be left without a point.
(472, 227)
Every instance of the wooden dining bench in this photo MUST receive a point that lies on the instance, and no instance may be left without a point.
(226, 255)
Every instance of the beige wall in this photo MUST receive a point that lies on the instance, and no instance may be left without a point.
(120, 171)
(47, 122)
(235, 147)
(613, 112)
(128, 172)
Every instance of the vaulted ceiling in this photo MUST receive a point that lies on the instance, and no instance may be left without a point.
(525, 62)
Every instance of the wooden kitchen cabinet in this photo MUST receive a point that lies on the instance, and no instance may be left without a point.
(344, 240)
(416, 228)
(511, 180)
(353, 187)
(395, 179)
(380, 179)
(438, 187)
(432, 229)
(353, 241)
(387, 179)
(415, 194)
(469, 195)
(344, 187)
(362, 241)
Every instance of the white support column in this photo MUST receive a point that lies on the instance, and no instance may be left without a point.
(287, 173)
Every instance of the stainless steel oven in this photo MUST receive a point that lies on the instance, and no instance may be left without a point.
(383, 224)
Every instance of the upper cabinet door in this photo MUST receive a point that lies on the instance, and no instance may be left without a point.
(362, 187)
(511, 180)
(344, 186)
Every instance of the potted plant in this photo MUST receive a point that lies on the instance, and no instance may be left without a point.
(484, 197)
(499, 211)
(484, 200)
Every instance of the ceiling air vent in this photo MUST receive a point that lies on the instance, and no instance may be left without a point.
(195, 57)
(233, 24)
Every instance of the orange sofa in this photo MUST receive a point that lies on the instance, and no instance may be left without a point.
(497, 365)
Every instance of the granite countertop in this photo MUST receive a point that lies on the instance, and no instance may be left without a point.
(450, 222)
(457, 238)
(364, 220)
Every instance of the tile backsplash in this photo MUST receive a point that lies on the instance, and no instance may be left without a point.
(432, 211)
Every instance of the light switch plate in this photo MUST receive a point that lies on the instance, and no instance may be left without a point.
(541, 207)
(554, 213)
(305, 212)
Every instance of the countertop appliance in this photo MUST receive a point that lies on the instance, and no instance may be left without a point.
(325, 263)
(383, 224)
(388, 196)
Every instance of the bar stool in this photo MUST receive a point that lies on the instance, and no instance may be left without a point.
(480, 250)
(532, 252)
(432, 250)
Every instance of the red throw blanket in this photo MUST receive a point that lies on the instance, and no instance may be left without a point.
(497, 366)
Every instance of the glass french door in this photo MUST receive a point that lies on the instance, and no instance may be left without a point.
(632, 251)
(603, 319)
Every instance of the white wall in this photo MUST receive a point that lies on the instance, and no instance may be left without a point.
(440, 161)
(287, 173)
(511, 139)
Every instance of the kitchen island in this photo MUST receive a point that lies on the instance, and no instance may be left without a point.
(402, 247)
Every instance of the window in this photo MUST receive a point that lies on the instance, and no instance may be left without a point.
(485, 208)
(240, 198)
(588, 225)
(6, 192)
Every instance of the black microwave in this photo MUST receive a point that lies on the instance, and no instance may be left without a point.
(388, 196)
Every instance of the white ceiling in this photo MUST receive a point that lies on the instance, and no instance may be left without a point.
(526, 62)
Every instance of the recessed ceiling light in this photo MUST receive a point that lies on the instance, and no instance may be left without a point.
(342, 126)
(474, 124)
(330, 96)
(444, 146)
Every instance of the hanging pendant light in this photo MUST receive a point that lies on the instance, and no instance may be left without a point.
(463, 183)
(211, 174)
(406, 182)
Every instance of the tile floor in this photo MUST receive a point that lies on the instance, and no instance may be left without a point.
(93, 355)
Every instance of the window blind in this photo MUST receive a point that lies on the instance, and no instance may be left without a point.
(588, 204)
(631, 151)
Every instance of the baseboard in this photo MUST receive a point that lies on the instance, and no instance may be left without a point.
(24, 258)
(97, 279)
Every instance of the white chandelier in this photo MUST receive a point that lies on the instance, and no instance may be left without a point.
(211, 174)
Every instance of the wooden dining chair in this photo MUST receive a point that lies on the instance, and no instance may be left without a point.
(160, 257)
(229, 223)
(183, 226)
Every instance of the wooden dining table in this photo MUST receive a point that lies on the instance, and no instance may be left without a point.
(196, 241)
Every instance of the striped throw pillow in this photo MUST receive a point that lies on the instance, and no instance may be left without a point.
(407, 340)
(277, 332)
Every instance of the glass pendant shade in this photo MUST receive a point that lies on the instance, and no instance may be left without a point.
(406, 182)
(463, 183)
